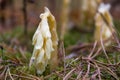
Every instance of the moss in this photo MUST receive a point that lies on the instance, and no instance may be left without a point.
(74, 37)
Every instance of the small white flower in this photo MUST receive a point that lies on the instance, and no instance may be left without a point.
(45, 42)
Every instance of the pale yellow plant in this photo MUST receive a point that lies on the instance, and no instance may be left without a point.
(103, 20)
(45, 43)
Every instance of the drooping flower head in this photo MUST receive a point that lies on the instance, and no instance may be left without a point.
(104, 10)
(45, 42)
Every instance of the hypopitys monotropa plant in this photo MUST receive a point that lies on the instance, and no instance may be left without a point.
(103, 20)
(45, 43)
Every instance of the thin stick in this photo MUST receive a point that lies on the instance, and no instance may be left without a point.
(64, 58)
(6, 74)
(79, 75)
(10, 74)
(73, 61)
(22, 76)
(101, 40)
(68, 75)
(93, 49)
(88, 70)
(98, 69)
(96, 53)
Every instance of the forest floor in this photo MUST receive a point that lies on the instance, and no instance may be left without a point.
(82, 58)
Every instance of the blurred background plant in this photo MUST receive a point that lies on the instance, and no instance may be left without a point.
(26, 12)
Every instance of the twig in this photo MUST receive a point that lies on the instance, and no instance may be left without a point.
(6, 74)
(79, 75)
(93, 49)
(88, 70)
(101, 40)
(10, 74)
(93, 77)
(96, 53)
(35, 77)
(107, 69)
(47, 77)
(77, 47)
(98, 70)
(64, 58)
(3, 73)
(22, 76)
(62, 54)
(68, 75)
(73, 61)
